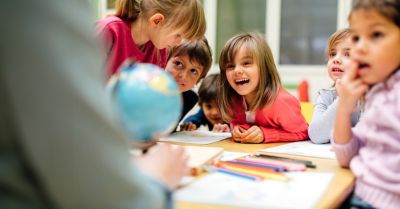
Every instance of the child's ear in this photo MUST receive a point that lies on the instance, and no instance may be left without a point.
(156, 19)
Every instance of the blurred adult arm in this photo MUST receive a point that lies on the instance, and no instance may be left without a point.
(60, 146)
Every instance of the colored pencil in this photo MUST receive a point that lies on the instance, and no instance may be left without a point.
(307, 163)
(263, 172)
(233, 173)
(244, 162)
(288, 165)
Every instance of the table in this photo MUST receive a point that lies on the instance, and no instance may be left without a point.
(340, 187)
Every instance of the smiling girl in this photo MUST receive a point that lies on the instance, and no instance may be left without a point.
(252, 98)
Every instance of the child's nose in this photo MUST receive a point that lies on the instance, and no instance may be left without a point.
(215, 111)
(337, 60)
(360, 46)
(238, 70)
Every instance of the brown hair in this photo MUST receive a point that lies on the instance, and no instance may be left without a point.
(187, 15)
(335, 39)
(269, 84)
(208, 89)
(387, 8)
(197, 51)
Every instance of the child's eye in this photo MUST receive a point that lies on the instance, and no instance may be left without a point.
(194, 71)
(376, 34)
(332, 54)
(230, 67)
(247, 63)
(355, 39)
(179, 64)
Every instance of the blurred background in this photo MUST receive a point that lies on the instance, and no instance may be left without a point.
(296, 30)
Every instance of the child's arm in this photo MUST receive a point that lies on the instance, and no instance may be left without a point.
(349, 89)
(194, 121)
(280, 122)
(323, 117)
(283, 121)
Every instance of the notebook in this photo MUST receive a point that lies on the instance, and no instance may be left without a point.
(201, 156)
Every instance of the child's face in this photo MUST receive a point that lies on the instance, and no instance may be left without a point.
(243, 75)
(338, 59)
(164, 37)
(211, 111)
(376, 45)
(185, 73)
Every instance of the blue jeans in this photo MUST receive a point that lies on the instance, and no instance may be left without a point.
(355, 202)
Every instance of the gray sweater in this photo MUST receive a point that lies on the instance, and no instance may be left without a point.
(322, 121)
(60, 146)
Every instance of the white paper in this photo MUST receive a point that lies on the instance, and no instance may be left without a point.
(304, 148)
(303, 190)
(196, 137)
(228, 155)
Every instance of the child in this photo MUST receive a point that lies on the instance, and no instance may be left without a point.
(188, 63)
(143, 30)
(321, 124)
(209, 113)
(372, 148)
(251, 96)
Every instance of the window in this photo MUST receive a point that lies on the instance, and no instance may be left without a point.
(305, 28)
(238, 16)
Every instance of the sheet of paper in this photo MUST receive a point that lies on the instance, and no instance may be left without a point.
(228, 155)
(304, 148)
(196, 137)
(303, 190)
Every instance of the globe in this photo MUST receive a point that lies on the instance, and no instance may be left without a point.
(148, 101)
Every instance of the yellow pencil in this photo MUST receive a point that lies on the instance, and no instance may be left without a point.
(267, 175)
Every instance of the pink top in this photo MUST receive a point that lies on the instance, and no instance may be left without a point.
(120, 45)
(373, 153)
(282, 121)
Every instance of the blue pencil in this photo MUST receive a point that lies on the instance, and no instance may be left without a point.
(238, 174)
(233, 173)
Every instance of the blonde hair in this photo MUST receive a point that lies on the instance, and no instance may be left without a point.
(269, 84)
(198, 51)
(187, 15)
(335, 39)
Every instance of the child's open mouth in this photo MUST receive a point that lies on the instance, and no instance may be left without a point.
(337, 70)
(242, 81)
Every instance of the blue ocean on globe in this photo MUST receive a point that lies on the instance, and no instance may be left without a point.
(147, 100)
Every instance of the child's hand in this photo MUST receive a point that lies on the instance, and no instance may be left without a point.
(253, 135)
(164, 162)
(221, 128)
(188, 126)
(237, 133)
(350, 88)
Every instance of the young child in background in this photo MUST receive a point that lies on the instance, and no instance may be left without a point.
(188, 63)
(251, 96)
(372, 148)
(143, 30)
(209, 113)
(338, 56)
